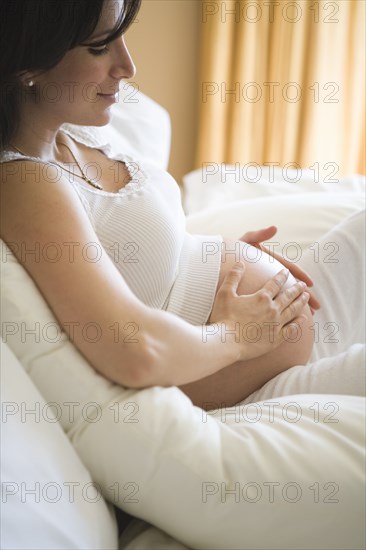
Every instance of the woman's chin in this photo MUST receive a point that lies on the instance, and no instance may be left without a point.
(103, 118)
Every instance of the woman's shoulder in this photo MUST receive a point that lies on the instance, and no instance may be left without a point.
(88, 135)
(12, 156)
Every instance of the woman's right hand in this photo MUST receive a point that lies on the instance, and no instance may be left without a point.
(258, 322)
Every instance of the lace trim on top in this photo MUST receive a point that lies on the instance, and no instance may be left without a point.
(89, 136)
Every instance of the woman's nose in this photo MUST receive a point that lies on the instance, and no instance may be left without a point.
(123, 66)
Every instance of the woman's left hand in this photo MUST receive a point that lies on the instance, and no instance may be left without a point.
(255, 238)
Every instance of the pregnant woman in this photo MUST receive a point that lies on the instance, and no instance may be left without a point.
(183, 315)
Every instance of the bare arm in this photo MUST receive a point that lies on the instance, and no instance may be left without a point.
(166, 350)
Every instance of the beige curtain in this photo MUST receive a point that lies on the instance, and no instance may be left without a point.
(283, 82)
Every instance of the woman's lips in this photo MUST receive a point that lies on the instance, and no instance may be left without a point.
(109, 97)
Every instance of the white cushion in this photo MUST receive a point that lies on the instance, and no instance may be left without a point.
(248, 478)
(140, 127)
(48, 497)
(214, 185)
(301, 219)
(219, 199)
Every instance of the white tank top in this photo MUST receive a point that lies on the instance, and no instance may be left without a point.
(142, 228)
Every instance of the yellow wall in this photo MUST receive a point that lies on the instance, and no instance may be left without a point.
(164, 44)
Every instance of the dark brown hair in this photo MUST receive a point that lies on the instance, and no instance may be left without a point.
(35, 35)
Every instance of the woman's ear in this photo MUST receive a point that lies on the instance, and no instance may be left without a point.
(27, 79)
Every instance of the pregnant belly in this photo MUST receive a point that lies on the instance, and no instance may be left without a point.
(259, 268)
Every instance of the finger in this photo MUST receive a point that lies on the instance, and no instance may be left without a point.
(300, 274)
(313, 302)
(233, 278)
(256, 237)
(304, 276)
(295, 270)
(274, 285)
(271, 231)
(290, 294)
(249, 237)
(292, 330)
(295, 308)
(266, 233)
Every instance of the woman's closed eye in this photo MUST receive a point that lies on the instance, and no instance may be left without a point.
(98, 51)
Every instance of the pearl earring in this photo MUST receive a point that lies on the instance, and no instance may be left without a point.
(30, 83)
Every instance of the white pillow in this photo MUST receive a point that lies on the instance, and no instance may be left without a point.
(139, 126)
(214, 184)
(171, 462)
(48, 497)
(301, 219)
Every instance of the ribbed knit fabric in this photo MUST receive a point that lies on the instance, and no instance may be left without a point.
(142, 228)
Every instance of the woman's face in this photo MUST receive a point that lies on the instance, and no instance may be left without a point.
(75, 90)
